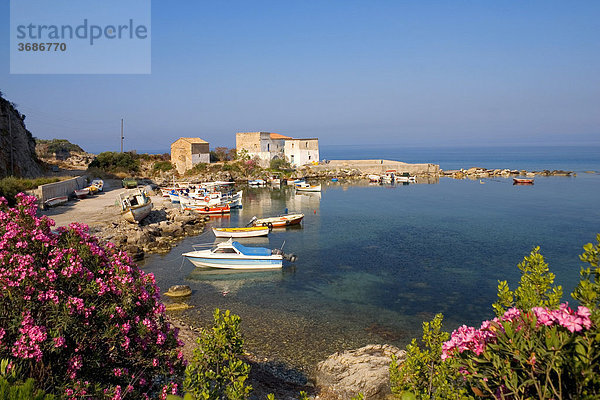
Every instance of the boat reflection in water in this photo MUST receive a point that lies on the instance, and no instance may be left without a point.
(230, 281)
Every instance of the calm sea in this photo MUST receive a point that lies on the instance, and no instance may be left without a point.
(375, 261)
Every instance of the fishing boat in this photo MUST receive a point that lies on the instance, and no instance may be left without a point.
(214, 210)
(135, 205)
(244, 232)
(98, 184)
(308, 188)
(522, 181)
(81, 193)
(374, 178)
(233, 255)
(129, 183)
(278, 222)
(56, 201)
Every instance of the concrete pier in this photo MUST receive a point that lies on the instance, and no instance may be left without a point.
(377, 167)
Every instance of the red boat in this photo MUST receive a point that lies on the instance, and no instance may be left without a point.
(219, 210)
(522, 181)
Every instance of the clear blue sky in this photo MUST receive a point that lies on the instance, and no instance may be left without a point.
(414, 72)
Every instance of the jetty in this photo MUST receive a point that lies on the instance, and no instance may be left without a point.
(377, 167)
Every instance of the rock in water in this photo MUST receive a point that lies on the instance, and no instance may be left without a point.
(179, 291)
(365, 370)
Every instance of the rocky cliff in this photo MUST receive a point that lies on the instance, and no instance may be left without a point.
(16, 139)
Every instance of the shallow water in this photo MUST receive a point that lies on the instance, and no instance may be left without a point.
(376, 261)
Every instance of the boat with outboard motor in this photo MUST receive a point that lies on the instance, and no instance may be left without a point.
(278, 222)
(233, 255)
(243, 232)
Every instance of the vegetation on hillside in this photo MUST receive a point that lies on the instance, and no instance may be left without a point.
(47, 148)
(113, 162)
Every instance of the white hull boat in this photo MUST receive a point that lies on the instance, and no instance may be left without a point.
(135, 206)
(56, 201)
(233, 255)
(241, 232)
(309, 188)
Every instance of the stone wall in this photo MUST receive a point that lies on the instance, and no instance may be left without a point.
(58, 189)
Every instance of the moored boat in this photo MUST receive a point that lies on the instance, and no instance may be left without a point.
(522, 181)
(233, 255)
(280, 221)
(244, 232)
(135, 205)
(374, 178)
(215, 210)
(308, 188)
(56, 201)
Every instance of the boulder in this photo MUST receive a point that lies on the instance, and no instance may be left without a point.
(365, 370)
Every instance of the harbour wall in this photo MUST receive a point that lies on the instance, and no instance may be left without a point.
(58, 189)
(378, 167)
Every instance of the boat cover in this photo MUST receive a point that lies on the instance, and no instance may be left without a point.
(251, 251)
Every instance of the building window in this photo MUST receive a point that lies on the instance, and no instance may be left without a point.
(268, 147)
(292, 145)
(307, 145)
(309, 157)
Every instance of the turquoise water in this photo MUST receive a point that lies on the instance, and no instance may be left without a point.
(376, 261)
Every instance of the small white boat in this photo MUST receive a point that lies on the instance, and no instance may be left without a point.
(257, 182)
(233, 255)
(56, 201)
(280, 221)
(135, 205)
(309, 188)
(245, 232)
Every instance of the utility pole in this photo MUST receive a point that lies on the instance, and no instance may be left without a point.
(12, 157)
(122, 137)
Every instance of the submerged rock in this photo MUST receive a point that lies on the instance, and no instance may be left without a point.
(365, 370)
(179, 291)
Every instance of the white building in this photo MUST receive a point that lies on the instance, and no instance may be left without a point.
(299, 152)
(268, 146)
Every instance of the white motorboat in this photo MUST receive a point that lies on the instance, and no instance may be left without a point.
(278, 222)
(233, 255)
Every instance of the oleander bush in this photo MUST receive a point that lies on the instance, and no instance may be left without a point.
(535, 348)
(79, 317)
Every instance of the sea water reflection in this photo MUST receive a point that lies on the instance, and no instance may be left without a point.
(376, 261)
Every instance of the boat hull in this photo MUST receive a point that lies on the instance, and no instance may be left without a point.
(241, 232)
(315, 188)
(135, 214)
(56, 201)
(82, 193)
(268, 262)
(278, 222)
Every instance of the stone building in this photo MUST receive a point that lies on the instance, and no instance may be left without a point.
(299, 152)
(187, 152)
(268, 146)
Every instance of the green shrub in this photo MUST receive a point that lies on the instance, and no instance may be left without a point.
(215, 370)
(279, 164)
(197, 169)
(162, 166)
(423, 374)
(535, 288)
(111, 161)
(22, 391)
(11, 186)
(50, 147)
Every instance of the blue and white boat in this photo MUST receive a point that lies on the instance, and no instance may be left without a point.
(233, 255)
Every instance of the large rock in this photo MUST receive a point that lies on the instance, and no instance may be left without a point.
(17, 146)
(365, 370)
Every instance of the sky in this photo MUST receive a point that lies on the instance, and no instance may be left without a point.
(414, 73)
